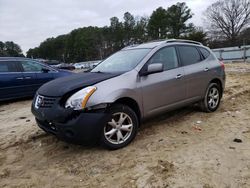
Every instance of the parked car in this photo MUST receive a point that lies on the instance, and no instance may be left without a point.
(80, 65)
(86, 65)
(21, 77)
(94, 64)
(52, 63)
(109, 103)
(65, 66)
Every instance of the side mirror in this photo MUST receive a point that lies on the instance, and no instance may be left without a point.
(45, 70)
(153, 68)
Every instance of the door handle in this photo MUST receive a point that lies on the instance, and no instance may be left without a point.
(178, 76)
(206, 69)
(19, 78)
(27, 77)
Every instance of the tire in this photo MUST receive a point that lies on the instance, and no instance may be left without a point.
(212, 99)
(121, 128)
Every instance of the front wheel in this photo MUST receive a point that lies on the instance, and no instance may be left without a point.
(121, 128)
(211, 101)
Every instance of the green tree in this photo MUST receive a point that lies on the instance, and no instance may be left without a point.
(117, 32)
(90, 43)
(140, 30)
(171, 23)
(177, 16)
(129, 26)
(11, 49)
(245, 36)
(84, 44)
(197, 34)
(33, 53)
(2, 49)
(157, 24)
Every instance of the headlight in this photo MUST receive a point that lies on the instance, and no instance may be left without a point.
(79, 100)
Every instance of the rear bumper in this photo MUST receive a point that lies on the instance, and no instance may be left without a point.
(81, 128)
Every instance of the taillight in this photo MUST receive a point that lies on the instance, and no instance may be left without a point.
(222, 65)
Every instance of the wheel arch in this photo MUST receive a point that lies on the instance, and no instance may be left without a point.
(132, 104)
(219, 82)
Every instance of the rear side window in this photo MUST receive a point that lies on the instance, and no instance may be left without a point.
(189, 55)
(167, 56)
(7, 66)
(204, 52)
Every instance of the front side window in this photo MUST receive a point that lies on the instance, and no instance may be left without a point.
(189, 55)
(7, 66)
(31, 66)
(167, 56)
(122, 61)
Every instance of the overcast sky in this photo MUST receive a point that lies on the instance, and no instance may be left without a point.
(29, 22)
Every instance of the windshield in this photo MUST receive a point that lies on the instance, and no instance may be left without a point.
(122, 61)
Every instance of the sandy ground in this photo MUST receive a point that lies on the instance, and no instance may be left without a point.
(185, 148)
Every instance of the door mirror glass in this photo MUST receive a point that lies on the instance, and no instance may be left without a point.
(153, 68)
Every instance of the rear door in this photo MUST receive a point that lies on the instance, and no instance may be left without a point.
(162, 90)
(196, 70)
(11, 80)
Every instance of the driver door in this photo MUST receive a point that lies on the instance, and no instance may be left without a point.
(161, 91)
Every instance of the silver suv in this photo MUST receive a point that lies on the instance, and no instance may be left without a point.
(109, 103)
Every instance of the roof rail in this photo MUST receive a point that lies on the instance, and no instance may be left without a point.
(184, 41)
(130, 46)
(156, 40)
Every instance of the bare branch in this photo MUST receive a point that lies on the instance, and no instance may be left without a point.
(229, 17)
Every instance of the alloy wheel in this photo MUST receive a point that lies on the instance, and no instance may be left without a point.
(119, 128)
(213, 97)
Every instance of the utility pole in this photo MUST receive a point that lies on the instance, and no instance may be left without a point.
(245, 50)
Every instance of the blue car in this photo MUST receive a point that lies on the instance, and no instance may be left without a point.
(21, 77)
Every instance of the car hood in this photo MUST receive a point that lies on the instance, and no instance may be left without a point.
(64, 85)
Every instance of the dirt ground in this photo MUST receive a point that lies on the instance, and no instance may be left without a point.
(185, 148)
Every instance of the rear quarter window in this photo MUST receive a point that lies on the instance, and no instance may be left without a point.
(204, 52)
(189, 55)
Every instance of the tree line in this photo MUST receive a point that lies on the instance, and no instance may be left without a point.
(11, 49)
(90, 43)
(227, 24)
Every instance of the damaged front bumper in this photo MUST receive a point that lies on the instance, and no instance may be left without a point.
(72, 126)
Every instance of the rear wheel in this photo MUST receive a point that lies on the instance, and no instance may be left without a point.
(211, 101)
(121, 128)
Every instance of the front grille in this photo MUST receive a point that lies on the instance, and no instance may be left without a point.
(44, 102)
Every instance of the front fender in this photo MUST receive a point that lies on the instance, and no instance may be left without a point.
(113, 96)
